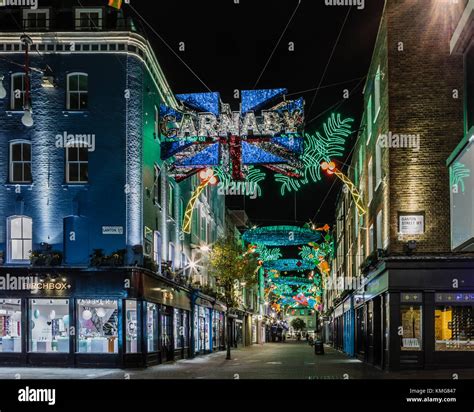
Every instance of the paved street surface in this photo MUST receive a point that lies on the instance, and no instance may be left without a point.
(290, 360)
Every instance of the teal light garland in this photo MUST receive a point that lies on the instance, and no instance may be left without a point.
(282, 236)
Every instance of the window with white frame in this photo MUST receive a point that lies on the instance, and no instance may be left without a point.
(77, 91)
(157, 187)
(203, 229)
(157, 248)
(378, 163)
(371, 239)
(18, 91)
(77, 164)
(20, 162)
(36, 19)
(377, 93)
(88, 19)
(181, 209)
(356, 223)
(380, 230)
(171, 257)
(370, 182)
(20, 235)
(369, 119)
(171, 212)
(157, 123)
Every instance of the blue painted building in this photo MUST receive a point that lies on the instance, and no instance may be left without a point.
(94, 267)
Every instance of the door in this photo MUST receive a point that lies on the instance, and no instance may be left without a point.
(370, 332)
(166, 335)
(377, 331)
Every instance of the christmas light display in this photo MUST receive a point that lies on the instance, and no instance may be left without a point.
(282, 236)
(319, 148)
(265, 254)
(331, 169)
(207, 178)
(458, 173)
(206, 133)
(290, 265)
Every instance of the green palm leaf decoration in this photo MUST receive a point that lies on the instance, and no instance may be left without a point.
(318, 148)
(266, 254)
(458, 173)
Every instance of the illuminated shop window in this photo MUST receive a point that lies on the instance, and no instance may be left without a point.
(178, 329)
(131, 323)
(10, 326)
(411, 317)
(462, 198)
(49, 326)
(97, 326)
(152, 327)
(454, 328)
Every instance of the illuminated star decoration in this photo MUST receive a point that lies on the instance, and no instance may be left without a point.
(318, 148)
(204, 132)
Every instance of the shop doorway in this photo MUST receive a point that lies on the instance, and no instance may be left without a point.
(166, 335)
(360, 332)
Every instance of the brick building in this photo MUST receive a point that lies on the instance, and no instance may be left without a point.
(400, 295)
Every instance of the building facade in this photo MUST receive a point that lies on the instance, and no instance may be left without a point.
(95, 268)
(401, 294)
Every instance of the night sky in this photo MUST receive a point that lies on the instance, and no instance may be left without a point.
(228, 45)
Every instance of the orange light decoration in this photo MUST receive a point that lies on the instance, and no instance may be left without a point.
(207, 178)
(331, 169)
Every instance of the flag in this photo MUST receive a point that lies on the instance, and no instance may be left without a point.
(117, 4)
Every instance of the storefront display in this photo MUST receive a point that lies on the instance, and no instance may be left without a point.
(166, 333)
(10, 325)
(411, 339)
(178, 329)
(202, 323)
(454, 328)
(97, 326)
(49, 325)
(131, 320)
(186, 329)
(152, 327)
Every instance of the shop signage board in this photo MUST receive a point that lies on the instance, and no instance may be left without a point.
(411, 224)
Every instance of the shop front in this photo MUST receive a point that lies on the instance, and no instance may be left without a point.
(72, 317)
(417, 314)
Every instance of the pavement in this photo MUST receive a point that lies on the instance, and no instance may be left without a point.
(289, 360)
